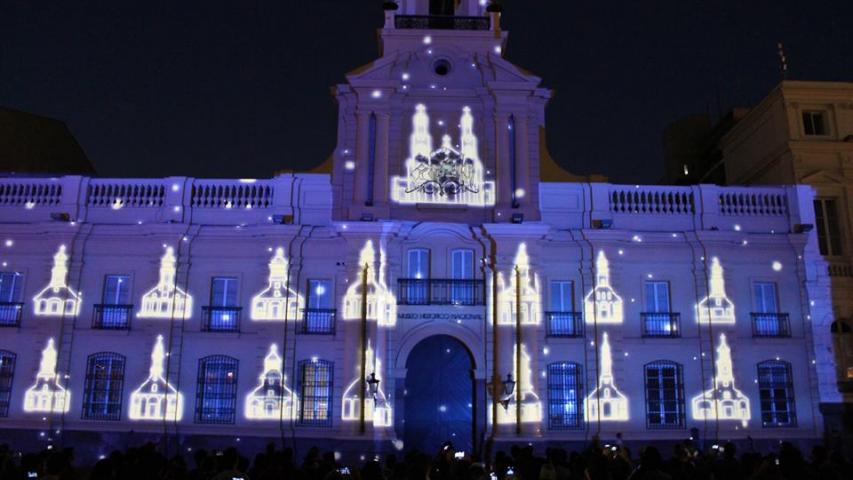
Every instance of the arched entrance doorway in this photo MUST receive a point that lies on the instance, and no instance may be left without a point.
(439, 397)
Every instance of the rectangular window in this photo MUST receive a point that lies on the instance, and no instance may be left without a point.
(10, 299)
(562, 296)
(7, 375)
(776, 394)
(319, 317)
(828, 228)
(223, 292)
(114, 311)
(417, 287)
(216, 396)
(565, 394)
(664, 395)
(764, 297)
(657, 297)
(104, 387)
(315, 382)
(463, 289)
(116, 290)
(814, 122)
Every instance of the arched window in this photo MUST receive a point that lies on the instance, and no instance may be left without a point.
(565, 391)
(315, 391)
(776, 394)
(7, 375)
(104, 387)
(842, 345)
(664, 395)
(216, 394)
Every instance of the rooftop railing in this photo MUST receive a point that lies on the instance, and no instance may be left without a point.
(441, 22)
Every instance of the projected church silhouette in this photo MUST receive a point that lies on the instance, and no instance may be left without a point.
(272, 399)
(156, 399)
(716, 308)
(166, 299)
(277, 301)
(606, 403)
(47, 395)
(377, 409)
(57, 298)
(531, 405)
(381, 303)
(723, 401)
(508, 292)
(602, 304)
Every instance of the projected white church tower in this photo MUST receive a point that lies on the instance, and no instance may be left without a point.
(716, 308)
(166, 299)
(278, 301)
(156, 399)
(272, 399)
(57, 298)
(47, 395)
(602, 304)
(606, 403)
(723, 401)
(377, 409)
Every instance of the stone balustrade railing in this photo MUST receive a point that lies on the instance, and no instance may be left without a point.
(307, 199)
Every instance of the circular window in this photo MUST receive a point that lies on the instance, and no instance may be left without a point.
(441, 67)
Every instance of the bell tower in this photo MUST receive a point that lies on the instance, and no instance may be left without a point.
(441, 127)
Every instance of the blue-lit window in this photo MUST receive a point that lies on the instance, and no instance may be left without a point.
(104, 388)
(315, 388)
(664, 395)
(562, 296)
(462, 289)
(764, 296)
(115, 310)
(223, 313)
(7, 375)
(216, 395)
(657, 297)
(767, 321)
(319, 317)
(417, 264)
(10, 299)
(565, 394)
(776, 394)
(658, 320)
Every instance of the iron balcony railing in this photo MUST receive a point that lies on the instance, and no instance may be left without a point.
(10, 314)
(441, 291)
(441, 22)
(564, 324)
(661, 324)
(221, 319)
(111, 317)
(318, 321)
(770, 325)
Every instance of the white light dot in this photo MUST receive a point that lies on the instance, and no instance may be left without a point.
(441, 123)
(349, 165)
(498, 49)
(649, 275)
(176, 209)
(376, 94)
(546, 350)
(29, 205)
(621, 252)
(406, 76)
(427, 40)
(737, 227)
(9, 242)
(519, 193)
(777, 266)
(175, 187)
(637, 238)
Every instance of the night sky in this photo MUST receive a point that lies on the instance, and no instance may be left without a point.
(241, 88)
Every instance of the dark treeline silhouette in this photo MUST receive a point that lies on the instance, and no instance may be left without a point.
(596, 462)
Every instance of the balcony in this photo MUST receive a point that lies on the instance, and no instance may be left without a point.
(770, 325)
(564, 324)
(437, 291)
(111, 317)
(441, 22)
(221, 319)
(10, 314)
(318, 321)
(661, 324)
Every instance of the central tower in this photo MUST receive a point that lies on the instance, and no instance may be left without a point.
(441, 127)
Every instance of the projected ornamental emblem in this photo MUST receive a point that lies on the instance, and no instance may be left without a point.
(166, 299)
(606, 403)
(523, 289)
(722, 401)
(602, 305)
(277, 301)
(369, 289)
(47, 395)
(377, 409)
(156, 399)
(448, 175)
(57, 298)
(531, 405)
(716, 308)
(271, 399)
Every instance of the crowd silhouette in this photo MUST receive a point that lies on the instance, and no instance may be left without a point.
(596, 462)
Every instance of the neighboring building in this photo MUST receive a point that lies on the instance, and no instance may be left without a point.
(802, 133)
(35, 145)
(437, 285)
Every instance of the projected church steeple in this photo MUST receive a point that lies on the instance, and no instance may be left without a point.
(716, 308)
(47, 395)
(602, 304)
(57, 298)
(723, 401)
(167, 300)
(606, 403)
(155, 398)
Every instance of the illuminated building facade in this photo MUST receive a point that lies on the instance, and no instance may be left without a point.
(544, 299)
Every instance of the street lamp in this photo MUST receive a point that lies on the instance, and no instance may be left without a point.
(373, 384)
(509, 385)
